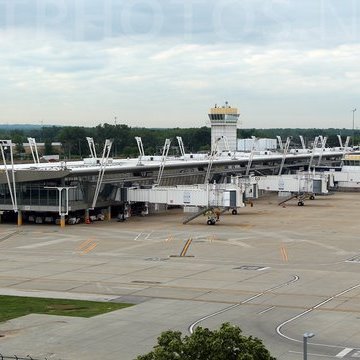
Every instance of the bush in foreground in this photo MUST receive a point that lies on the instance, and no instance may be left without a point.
(227, 343)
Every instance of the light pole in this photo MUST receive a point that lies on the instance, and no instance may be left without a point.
(353, 129)
(115, 133)
(306, 336)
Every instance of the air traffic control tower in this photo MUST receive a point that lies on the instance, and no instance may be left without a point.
(224, 120)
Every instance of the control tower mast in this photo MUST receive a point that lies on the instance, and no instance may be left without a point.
(224, 121)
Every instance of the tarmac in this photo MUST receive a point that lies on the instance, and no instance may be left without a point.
(275, 271)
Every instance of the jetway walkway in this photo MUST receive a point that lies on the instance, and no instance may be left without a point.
(212, 200)
(300, 186)
(208, 199)
(297, 183)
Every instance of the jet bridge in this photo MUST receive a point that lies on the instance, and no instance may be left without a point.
(349, 176)
(202, 197)
(299, 186)
(219, 195)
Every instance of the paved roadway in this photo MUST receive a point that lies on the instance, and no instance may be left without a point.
(275, 271)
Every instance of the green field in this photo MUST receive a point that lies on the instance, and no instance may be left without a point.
(14, 306)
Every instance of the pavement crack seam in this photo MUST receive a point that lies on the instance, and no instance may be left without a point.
(8, 236)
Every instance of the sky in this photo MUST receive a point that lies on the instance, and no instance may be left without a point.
(164, 63)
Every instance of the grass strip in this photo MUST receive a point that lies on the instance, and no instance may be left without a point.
(15, 306)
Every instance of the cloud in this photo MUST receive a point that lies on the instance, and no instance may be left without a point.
(198, 21)
(176, 51)
(82, 61)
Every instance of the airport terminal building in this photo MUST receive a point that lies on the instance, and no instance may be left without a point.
(57, 190)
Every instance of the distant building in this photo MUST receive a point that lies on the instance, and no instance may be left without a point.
(260, 144)
(56, 147)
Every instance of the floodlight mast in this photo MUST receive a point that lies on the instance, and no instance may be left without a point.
(353, 126)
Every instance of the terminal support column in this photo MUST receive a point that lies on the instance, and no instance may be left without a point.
(109, 214)
(87, 216)
(62, 220)
(19, 218)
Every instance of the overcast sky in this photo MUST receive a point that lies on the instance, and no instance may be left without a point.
(164, 63)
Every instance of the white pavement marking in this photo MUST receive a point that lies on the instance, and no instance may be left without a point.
(193, 325)
(144, 236)
(325, 246)
(278, 329)
(266, 310)
(47, 243)
(239, 243)
(312, 354)
(341, 354)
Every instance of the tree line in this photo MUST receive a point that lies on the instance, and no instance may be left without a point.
(74, 144)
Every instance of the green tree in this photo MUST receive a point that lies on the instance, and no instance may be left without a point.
(70, 136)
(227, 343)
(48, 150)
(18, 139)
